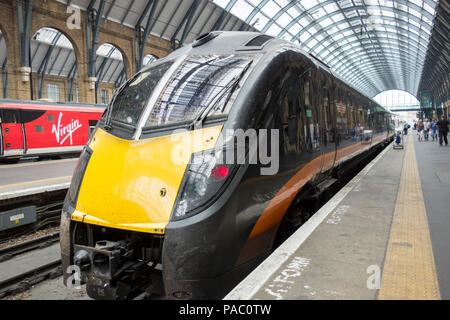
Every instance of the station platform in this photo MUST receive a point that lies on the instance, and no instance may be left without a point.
(30, 178)
(385, 235)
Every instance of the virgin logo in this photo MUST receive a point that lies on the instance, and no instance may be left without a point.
(62, 132)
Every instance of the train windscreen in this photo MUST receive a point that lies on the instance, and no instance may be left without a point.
(129, 103)
(201, 86)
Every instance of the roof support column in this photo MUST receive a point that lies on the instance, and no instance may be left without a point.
(92, 29)
(141, 34)
(24, 23)
(4, 80)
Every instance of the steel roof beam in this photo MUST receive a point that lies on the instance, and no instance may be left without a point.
(349, 9)
(140, 37)
(224, 14)
(126, 12)
(24, 31)
(95, 26)
(44, 62)
(186, 20)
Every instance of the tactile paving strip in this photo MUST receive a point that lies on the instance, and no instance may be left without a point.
(409, 271)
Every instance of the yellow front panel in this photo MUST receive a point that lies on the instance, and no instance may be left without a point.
(132, 185)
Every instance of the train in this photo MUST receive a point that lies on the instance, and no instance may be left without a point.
(201, 163)
(43, 129)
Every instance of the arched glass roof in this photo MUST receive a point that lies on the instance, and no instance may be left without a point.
(376, 45)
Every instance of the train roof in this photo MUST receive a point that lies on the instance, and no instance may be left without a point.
(226, 42)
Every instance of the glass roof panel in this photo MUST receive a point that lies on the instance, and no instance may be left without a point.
(382, 34)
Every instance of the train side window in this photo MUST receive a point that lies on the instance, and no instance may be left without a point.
(10, 116)
(50, 118)
(39, 128)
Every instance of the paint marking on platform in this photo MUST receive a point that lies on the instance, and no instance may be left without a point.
(34, 182)
(409, 271)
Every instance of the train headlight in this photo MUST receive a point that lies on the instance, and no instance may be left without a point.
(78, 174)
(204, 180)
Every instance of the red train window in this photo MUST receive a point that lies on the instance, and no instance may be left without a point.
(39, 128)
(50, 118)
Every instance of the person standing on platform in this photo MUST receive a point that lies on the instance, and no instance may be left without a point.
(433, 129)
(420, 130)
(443, 130)
(426, 129)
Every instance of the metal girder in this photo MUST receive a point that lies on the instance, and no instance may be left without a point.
(195, 20)
(24, 31)
(54, 61)
(253, 13)
(140, 37)
(127, 12)
(65, 61)
(70, 80)
(331, 36)
(349, 9)
(120, 79)
(189, 23)
(325, 58)
(109, 9)
(291, 4)
(171, 19)
(186, 20)
(112, 74)
(209, 18)
(222, 16)
(44, 62)
(102, 65)
(4, 79)
(324, 3)
(93, 27)
(376, 70)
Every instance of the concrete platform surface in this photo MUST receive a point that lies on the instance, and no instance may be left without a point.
(372, 239)
(35, 177)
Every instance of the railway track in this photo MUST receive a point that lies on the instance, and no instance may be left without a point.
(36, 273)
(23, 247)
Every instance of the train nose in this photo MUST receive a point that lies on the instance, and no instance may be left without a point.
(133, 185)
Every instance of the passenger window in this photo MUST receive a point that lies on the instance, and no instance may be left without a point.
(10, 116)
(39, 128)
(50, 118)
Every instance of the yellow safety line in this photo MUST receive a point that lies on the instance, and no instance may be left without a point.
(34, 181)
(409, 271)
(29, 164)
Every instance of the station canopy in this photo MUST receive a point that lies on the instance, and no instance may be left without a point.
(375, 45)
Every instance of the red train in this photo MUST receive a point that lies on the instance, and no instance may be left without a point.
(40, 129)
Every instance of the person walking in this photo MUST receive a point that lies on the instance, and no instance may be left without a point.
(420, 130)
(433, 129)
(443, 130)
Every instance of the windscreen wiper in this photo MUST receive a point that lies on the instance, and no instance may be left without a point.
(227, 89)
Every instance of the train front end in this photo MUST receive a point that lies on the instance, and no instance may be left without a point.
(145, 209)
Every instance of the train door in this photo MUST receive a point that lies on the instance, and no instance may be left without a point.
(12, 132)
(329, 130)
